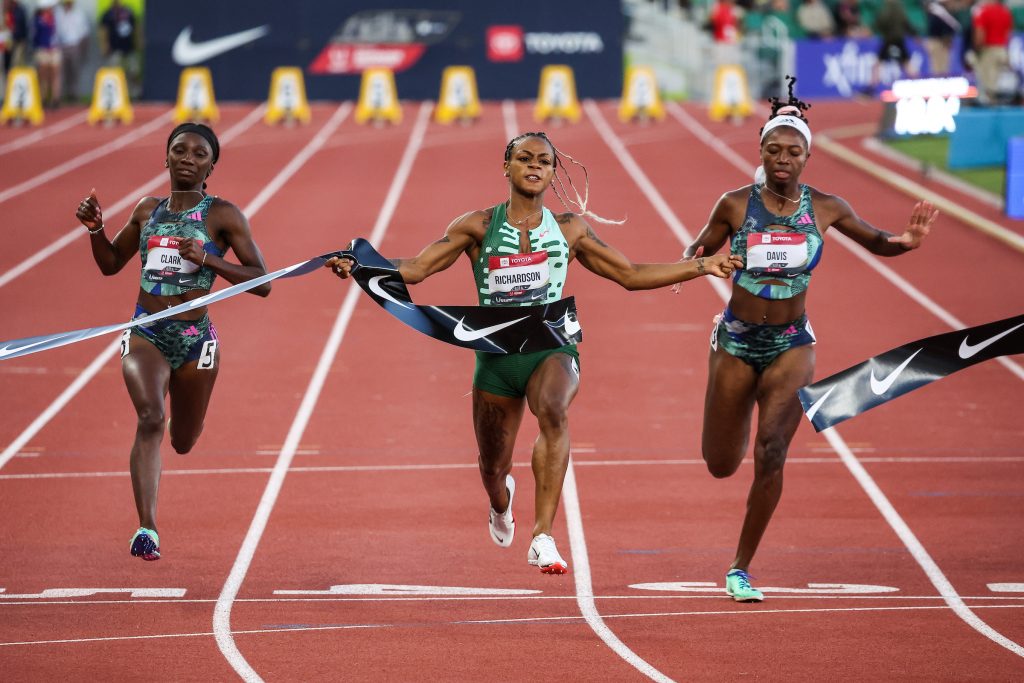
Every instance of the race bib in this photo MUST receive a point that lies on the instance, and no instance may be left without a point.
(783, 254)
(165, 264)
(518, 278)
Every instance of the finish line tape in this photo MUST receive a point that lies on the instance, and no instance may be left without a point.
(494, 329)
(896, 372)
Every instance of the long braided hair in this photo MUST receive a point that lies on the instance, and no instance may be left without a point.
(558, 185)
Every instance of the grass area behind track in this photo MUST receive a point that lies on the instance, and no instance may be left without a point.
(934, 151)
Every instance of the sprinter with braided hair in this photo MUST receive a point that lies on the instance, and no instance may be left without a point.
(520, 251)
(762, 346)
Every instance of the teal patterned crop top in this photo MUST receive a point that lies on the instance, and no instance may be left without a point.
(164, 272)
(780, 249)
(506, 277)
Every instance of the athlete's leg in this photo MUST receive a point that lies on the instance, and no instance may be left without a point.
(146, 374)
(496, 421)
(778, 416)
(552, 387)
(728, 407)
(191, 386)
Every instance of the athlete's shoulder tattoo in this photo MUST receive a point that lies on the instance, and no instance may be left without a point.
(592, 235)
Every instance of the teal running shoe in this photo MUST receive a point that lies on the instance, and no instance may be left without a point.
(737, 584)
(146, 544)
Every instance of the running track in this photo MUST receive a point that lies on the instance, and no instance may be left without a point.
(338, 455)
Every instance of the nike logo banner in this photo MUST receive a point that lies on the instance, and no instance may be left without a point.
(23, 347)
(880, 379)
(494, 329)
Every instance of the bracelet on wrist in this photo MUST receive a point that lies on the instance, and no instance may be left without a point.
(204, 259)
(700, 265)
(96, 231)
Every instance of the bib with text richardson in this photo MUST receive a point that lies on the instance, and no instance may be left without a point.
(518, 278)
(165, 264)
(783, 254)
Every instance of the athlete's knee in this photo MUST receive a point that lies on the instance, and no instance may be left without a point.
(770, 456)
(182, 444)
(721, 467)
(553, 416)
(491, 468)
(151, 420)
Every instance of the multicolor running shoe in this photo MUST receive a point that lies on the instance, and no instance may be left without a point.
(737, 584)
(146, 544)
(544, 555)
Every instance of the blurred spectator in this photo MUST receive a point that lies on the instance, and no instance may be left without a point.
(993, 24)
(13, 34)
(781, 10)
(46, 51)
(849, 23)
(815, 19)
(73, 35)
(119, 42)
(724, 24)
(942, 27)
(893, 26)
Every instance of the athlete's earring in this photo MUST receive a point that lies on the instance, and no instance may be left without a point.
(166, 165)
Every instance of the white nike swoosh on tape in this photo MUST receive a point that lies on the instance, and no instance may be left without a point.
(379, 291)
(968, 350)
(464, 334)
(571, 326)
(187, 53)
(813, 410)
(880, 387)
(7, 350)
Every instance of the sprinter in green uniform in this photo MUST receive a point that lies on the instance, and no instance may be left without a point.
(181, 240)
(520, 253)
(762, 346)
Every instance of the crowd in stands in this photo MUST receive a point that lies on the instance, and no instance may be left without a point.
(57, 37)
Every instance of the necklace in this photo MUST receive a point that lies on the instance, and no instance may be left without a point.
(522, 220)
(780, 196)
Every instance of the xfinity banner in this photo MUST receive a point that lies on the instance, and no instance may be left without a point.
(243, 41)
(830, 69)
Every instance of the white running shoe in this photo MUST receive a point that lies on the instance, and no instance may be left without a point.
(544, 554)
(503, 524)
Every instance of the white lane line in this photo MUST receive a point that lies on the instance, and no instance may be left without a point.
(58, 403)
(574, 521)
(508, 117)
(222, 612)
(124, 202)
(584, 588)
(94, 367)
(85, 158)
(930, 568)
(322, 469)
(716, 597)
(46, 132)
(568, 618)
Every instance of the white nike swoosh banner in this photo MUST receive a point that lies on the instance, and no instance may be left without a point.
(185, 52)
(494, 329)
(896, 372)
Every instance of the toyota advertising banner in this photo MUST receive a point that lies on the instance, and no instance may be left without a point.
(243, 41)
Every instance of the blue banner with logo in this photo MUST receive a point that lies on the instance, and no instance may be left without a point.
(507, 44)
(844, 68)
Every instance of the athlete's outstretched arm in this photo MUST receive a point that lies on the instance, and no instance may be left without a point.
(608, 262)
(880, 242)
(435, 257)
(231, 225)
(725, 217)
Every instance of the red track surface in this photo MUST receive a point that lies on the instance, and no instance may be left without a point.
(383, 488)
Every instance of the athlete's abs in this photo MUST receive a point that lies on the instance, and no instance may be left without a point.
(753, 309)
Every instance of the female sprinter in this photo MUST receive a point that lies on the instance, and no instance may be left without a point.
(181, 240)
(546, 381)
(762, 344)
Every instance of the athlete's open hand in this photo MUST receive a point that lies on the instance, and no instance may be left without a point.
(89, 212)
(191, 250)
(341, 266)
(720, 265)
(921, 219)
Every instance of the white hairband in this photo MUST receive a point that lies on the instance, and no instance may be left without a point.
(792, 122)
